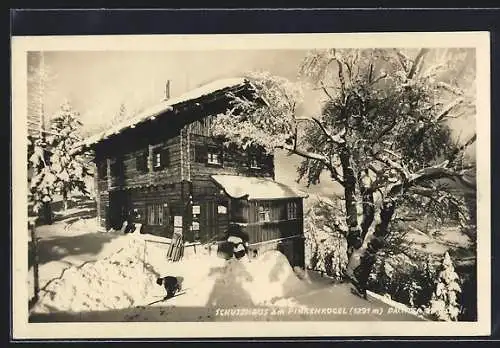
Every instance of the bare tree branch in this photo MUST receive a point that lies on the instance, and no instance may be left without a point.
(335, 138)
(438, 171)
(416, 62)
(341, 76)
(378, 78)
(448, 87)
(316, 157)
(403, 59)
(370, 73)
(445, 112)
(459, 150)
(325, 90)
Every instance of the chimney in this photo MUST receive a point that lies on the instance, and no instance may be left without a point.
(167, 90)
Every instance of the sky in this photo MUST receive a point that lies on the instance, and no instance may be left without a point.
(98, 82)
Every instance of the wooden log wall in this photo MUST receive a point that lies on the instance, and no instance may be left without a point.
(234, 161)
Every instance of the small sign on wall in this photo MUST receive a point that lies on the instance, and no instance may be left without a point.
(196, 226)
(221, 209)
(178, 221)
(196, 209)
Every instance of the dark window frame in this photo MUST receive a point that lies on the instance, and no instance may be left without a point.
(163, 154)
(264, 209)
(141, 161)
(292, 210)
(155, 214)
(214, 151)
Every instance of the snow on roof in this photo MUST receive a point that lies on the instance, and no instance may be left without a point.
(237, 186)
(164, 106)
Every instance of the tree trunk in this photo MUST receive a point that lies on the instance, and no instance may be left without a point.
(368, 213)
(368, 203)
(36, 280)
(47, 213)
(354, 236)
(376, 243)
(65, 200)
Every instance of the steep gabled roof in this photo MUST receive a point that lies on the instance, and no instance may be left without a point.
(165, 106)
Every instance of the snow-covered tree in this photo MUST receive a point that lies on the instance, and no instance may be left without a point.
(40, 79)
(383, 132)
(42, 181)
(325, 242)
(444, 303)
(69, 169)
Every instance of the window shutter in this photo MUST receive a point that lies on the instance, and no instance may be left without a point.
(164, 158)
(221, 155)
(142, 161)
(201, 153)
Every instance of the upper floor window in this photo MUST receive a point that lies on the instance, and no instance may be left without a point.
(291, 208)
(157, 159)
(214, 156)
(264, 213)
(161, 158)
(142, 161)
(256, 157)
(210, 155)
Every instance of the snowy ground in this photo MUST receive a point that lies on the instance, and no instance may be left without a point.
(86, 275)
(70, 241)
(122, 287)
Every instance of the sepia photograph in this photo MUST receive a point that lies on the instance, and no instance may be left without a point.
(314, 184)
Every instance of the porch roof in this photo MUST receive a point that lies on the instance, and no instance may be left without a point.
(254, 188)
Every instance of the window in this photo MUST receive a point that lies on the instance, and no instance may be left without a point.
(264, 213)
(210, 155)
(161, 159)
(255, 157)
(214, 157)
(142, 162)
(254, 162)
(157, 160)
(291, 208)
(155, 214)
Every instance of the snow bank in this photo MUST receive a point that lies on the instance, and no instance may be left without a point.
(128, 279)
(272, 278)
(119, 281)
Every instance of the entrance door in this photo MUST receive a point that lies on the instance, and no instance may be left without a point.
(208, 220)
(118, 208)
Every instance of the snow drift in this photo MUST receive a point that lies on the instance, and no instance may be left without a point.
(128, 279)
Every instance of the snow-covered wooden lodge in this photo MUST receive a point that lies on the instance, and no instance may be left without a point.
(165, 163)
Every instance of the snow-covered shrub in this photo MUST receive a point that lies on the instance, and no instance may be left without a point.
(325, 243)
(405, 280)
(444, 303)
